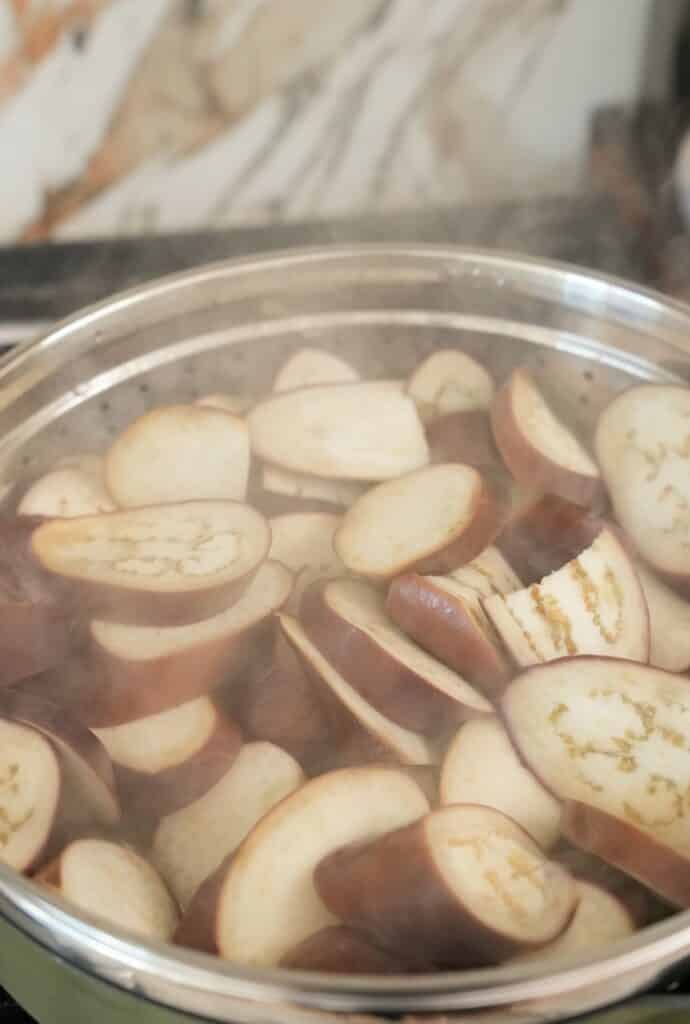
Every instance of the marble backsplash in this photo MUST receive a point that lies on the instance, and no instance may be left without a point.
(125, 116)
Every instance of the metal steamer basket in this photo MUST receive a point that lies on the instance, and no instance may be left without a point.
(228, 326)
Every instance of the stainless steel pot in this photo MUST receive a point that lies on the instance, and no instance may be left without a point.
(227, 327)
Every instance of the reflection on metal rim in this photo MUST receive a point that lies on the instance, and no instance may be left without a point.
(21, 332)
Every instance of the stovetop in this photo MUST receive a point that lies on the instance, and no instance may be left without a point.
(45, 282)
(42, 283)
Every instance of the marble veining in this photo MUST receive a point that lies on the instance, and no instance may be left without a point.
(124, 116)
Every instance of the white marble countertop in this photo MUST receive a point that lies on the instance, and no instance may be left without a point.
(122, 116)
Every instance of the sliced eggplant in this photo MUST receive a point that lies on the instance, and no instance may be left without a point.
(481, 766)
(465, 885)
(142, 670)
(489, 573)
(38, 628)
(114, 883)
(55, 780)
(179, 453)
(236, 405)
(191, 843)
(643, 444)
(309, 366)
(430, 521)
(169, 760)
(449, 381)
(464, 437)
(600, 919)
(304, 543)
(347, 621)
(85, 762)
(593, 605)
(446, 618)
(85, 462)
(163, 565)
(361, 733)
(626, 847)
(538, 449)
(32, 789)
(544, 532)
(304, 489)
(360, 431)
(341, 950)
(66, 492)
(669, 623)
(282, 705)
(643, 906)
(612, 739)
(262, 903)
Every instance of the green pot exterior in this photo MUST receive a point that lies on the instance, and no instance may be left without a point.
(54, 992)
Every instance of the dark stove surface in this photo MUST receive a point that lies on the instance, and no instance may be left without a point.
(10, 1013)
(45, 282)
(42, 283)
